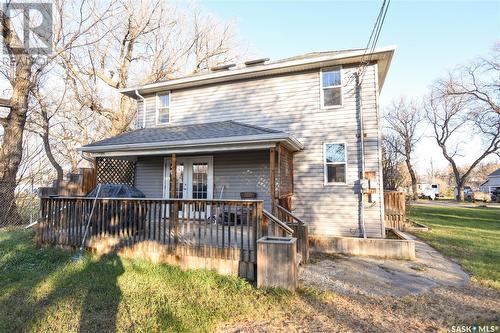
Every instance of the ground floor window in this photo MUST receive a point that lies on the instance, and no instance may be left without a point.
(335, 163)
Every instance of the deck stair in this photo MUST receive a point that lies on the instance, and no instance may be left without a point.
(286, 224)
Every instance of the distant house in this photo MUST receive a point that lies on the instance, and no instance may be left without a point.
(492, 182)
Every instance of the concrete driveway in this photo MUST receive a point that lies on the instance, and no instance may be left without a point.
(383, 277)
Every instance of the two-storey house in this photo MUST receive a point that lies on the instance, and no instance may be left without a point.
(301, 133)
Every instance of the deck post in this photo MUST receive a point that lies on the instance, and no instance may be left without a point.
(272, 177)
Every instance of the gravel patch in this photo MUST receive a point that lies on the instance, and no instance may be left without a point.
(383, 277)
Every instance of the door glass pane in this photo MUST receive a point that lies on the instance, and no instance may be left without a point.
(200, 180)
(179, 181)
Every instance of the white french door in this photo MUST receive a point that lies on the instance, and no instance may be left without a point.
(194, 179)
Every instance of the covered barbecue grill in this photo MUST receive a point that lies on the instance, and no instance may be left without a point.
(122, 218)
(116, 191)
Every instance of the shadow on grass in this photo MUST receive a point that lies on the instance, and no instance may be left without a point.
(23, 268)
(100, 306)
(42, 289)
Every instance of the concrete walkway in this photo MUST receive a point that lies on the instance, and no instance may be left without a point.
(383, 277)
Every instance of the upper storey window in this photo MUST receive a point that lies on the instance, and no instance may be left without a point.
(331, 87)
(162, 108)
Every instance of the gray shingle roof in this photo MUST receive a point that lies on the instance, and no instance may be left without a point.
(495, 173)
(277, 61)
(224, 129)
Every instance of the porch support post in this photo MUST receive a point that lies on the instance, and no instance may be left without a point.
(272, 177)
(174, 205)
(278, 196)
(173, 177)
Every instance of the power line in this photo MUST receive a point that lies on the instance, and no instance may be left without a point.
(373, 40)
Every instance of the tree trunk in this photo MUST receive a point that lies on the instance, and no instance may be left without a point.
(123, 117)
(413, 177)
(50, 156)
(12, 148)
(459, 197)
(459, 183)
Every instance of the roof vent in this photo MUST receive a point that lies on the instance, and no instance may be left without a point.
(256, 61)
(222, 67)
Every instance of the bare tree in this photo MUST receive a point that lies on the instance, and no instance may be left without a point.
(392, 163)
(455, 119)
(478, 82)
(42, 121)
(404, 119)
(151, 41)
(33, 170)
(24, 72)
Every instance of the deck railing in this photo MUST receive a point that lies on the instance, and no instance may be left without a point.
(395, 210)
(275, 227)
(300, 230)
(225, 229)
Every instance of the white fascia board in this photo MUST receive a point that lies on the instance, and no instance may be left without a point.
(186, 150)
(254, 71)
(192, 145)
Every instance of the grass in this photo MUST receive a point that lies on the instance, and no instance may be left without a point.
(471, 236)
(43, 290)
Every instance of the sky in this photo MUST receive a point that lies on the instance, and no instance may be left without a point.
(431, 37)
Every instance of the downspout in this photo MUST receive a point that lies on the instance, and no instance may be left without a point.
(143, 108)
(362, 147)
(86, 158)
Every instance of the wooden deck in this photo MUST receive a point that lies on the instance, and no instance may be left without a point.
(213, 234)
(220, 230)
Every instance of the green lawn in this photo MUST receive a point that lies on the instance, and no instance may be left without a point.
(44, 290)
(469, 235)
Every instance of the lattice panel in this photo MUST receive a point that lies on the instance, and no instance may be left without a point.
(114, 171)
(285, 180)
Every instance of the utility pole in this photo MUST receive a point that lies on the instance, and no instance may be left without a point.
(432, 172)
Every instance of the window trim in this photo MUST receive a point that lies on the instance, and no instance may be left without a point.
(321, 89)
(157, 108)
(325, 170)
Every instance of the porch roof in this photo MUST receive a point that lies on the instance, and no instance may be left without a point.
(205, 137)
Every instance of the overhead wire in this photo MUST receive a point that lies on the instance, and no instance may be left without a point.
(372, 42)
(377, 29)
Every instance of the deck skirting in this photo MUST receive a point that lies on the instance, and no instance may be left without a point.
(372, 247)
